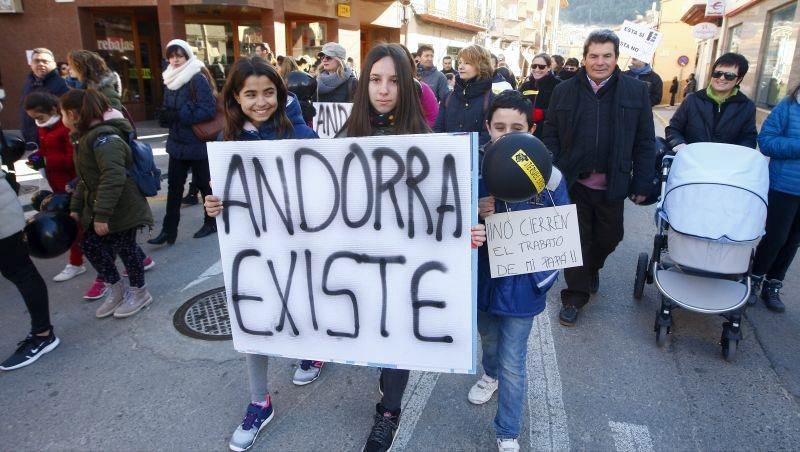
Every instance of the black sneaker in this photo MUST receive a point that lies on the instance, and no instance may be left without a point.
(594, 286)
(190, 199)
(568, 315)
(771, 294)
(383, 431)
(29, 350)
(755, 288)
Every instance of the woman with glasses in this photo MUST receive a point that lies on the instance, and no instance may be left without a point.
(720, 113)
(336, 81)
(538, 88)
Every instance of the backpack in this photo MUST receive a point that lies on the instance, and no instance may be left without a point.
(145, 173)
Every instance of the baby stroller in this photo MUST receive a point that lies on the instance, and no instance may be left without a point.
(710, 217)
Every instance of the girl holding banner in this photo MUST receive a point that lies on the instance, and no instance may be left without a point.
(257, 107)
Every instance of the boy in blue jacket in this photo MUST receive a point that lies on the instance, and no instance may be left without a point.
(507, 305)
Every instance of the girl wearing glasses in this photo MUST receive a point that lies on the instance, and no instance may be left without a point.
(538, 88)
(720, 113)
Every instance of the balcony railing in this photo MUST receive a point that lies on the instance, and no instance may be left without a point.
(457, 11)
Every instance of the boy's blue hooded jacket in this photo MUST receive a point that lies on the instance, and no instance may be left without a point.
(519, 295)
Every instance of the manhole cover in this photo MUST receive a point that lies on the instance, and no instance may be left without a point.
(204, 316)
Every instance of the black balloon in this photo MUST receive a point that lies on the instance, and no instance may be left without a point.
(57, 202)
(516, 167)
(39, 197)
(50, 234)
(302, 85)
(11, 149)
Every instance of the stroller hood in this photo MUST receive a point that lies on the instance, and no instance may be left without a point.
(718, 192)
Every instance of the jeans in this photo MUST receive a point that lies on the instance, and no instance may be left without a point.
(504, 341)
(394, 384)
(17, 267)
(257, 366)
(776, 250)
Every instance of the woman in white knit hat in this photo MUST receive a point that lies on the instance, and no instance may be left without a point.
(189, 98)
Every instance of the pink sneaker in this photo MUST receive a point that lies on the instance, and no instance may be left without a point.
(148, 263)
(98, 290)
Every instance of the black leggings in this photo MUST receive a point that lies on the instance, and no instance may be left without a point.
(102, 252)
(777, 248)
(17, 267)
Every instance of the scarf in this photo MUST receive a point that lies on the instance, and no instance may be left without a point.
(719, 100)
(175, 78)
(327, 82)
(644, 70)
(381, 120)
(49, 123)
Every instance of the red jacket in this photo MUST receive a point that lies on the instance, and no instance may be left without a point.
(56, 148)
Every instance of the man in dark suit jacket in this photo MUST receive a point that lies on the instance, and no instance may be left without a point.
(599, 128)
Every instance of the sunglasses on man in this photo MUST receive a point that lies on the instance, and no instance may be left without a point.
(539, 66)
(729, 76)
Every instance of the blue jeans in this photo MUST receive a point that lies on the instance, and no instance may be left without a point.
(505, 346)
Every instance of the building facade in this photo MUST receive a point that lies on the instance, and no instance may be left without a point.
(766, 32)
(132, 34)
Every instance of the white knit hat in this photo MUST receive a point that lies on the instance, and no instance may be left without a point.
(183, 45)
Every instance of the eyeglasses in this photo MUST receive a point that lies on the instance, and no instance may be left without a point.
(326, 57)
(570, 68)
(41, 61)
(539, 66)
(729, 76)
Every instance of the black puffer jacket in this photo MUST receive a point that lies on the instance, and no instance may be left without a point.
(539, 93)
(700, 119)
(465, 108)
(631, 157)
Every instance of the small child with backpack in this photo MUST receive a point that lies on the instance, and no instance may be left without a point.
(110, 208)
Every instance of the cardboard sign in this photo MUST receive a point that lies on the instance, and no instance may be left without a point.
(352, 250)
(638, 41)
(330, 118)
(533, 240)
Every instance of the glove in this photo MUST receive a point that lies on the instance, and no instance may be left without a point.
(35, 161)
(167, 117)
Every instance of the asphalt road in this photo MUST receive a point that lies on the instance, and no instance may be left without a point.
(138, 384)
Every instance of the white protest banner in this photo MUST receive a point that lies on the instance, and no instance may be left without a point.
(351, 250)
(638, 41)
(330, 117)
(533, 240)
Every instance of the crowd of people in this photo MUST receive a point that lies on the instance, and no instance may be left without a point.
(594, 119)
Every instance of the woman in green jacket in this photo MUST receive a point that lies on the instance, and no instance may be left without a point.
(106, 200)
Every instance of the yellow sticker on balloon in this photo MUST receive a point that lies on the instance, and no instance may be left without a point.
(530, 169)
(530, 92)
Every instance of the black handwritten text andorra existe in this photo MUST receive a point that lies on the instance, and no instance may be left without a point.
(256, 200)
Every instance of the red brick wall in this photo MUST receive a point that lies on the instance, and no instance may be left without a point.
(43, 24)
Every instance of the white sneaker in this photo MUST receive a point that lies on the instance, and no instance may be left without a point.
(482, 391)
(69, 272)
(507, 445)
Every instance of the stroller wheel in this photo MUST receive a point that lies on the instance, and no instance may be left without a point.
(641, 275)
(661, 335)
(729, 349)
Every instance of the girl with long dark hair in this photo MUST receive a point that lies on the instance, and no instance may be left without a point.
(257, 107)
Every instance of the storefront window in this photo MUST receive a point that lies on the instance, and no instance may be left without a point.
(211, 43)
(776, 62)
(114, 35)
(308, 38)
(735, 42)
(249, 37)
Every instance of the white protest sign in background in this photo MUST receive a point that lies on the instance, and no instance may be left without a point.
(533, 240)
(330, 117)
(638, 41)
(352, 250)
